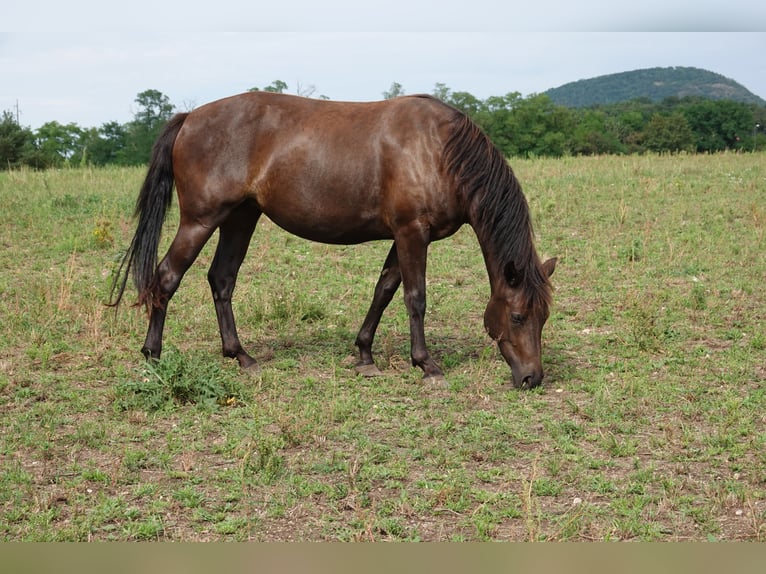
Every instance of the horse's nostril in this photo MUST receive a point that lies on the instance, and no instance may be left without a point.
(531, 381)
(527, 382)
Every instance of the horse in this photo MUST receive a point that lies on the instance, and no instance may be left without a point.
(410, 169)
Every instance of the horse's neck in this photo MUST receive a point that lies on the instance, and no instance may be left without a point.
(491, 255)
(504, 238)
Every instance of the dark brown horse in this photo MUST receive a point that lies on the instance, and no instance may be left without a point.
(411, 169)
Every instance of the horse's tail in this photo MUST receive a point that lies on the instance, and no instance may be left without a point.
(151, 207)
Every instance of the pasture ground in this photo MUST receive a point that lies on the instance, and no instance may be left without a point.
(650, 424)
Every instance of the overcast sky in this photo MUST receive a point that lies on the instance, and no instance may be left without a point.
(85, 62)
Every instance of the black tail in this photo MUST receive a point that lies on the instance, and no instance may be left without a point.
(152, 205)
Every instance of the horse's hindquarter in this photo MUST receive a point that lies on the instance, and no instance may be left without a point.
(328, 171)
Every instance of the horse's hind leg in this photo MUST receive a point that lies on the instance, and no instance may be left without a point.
(388, 283)
(235, 234)
(182, 252)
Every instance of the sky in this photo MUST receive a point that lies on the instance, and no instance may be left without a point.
(84, 62)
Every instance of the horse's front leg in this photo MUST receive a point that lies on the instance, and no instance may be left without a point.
(412, 250)
(388, 283)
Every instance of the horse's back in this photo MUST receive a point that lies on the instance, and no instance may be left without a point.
(340, 172)
(257, 122)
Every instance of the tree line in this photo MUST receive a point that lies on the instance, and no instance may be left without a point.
(535, 126)
(55, 145)
(519, 126)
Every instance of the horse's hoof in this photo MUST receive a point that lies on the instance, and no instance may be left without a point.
(248, 365)
(150, 355)
(367, 370)
(439, 381)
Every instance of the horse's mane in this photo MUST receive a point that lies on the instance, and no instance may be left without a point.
(499, 211)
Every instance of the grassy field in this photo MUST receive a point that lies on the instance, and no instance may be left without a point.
(650, 425)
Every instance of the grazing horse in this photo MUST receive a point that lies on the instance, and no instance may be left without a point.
(411, 169)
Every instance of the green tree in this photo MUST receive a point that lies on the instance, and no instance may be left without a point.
(102, 146)
(496, 119)
(718, 124)
(467, 103)
(14, 140)
(758, 130)
(54, 145)
(154, 108)
(539, 127)
(394, 91)
(595, 132)
(441, 92)
(107, 144)
(630, 127)
(669, 132)
(277, 87)
(154, 111)
(463, 101)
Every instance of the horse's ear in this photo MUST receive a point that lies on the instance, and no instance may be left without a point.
(550, 265)
(513, 276)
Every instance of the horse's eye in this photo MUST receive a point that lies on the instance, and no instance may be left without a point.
(518, 318)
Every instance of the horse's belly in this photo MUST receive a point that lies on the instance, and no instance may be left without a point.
(330, 224)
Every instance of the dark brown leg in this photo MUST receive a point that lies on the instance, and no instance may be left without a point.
(412, 249)
(388, 283)
(235, 234)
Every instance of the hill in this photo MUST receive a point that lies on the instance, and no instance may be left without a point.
(655, 84)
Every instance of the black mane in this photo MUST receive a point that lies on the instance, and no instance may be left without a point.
(498, 210)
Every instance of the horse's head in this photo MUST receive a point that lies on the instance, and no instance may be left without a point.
(516, 323)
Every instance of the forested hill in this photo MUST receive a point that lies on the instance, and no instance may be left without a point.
(655, 84)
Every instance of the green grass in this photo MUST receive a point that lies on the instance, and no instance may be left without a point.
(649, 425)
